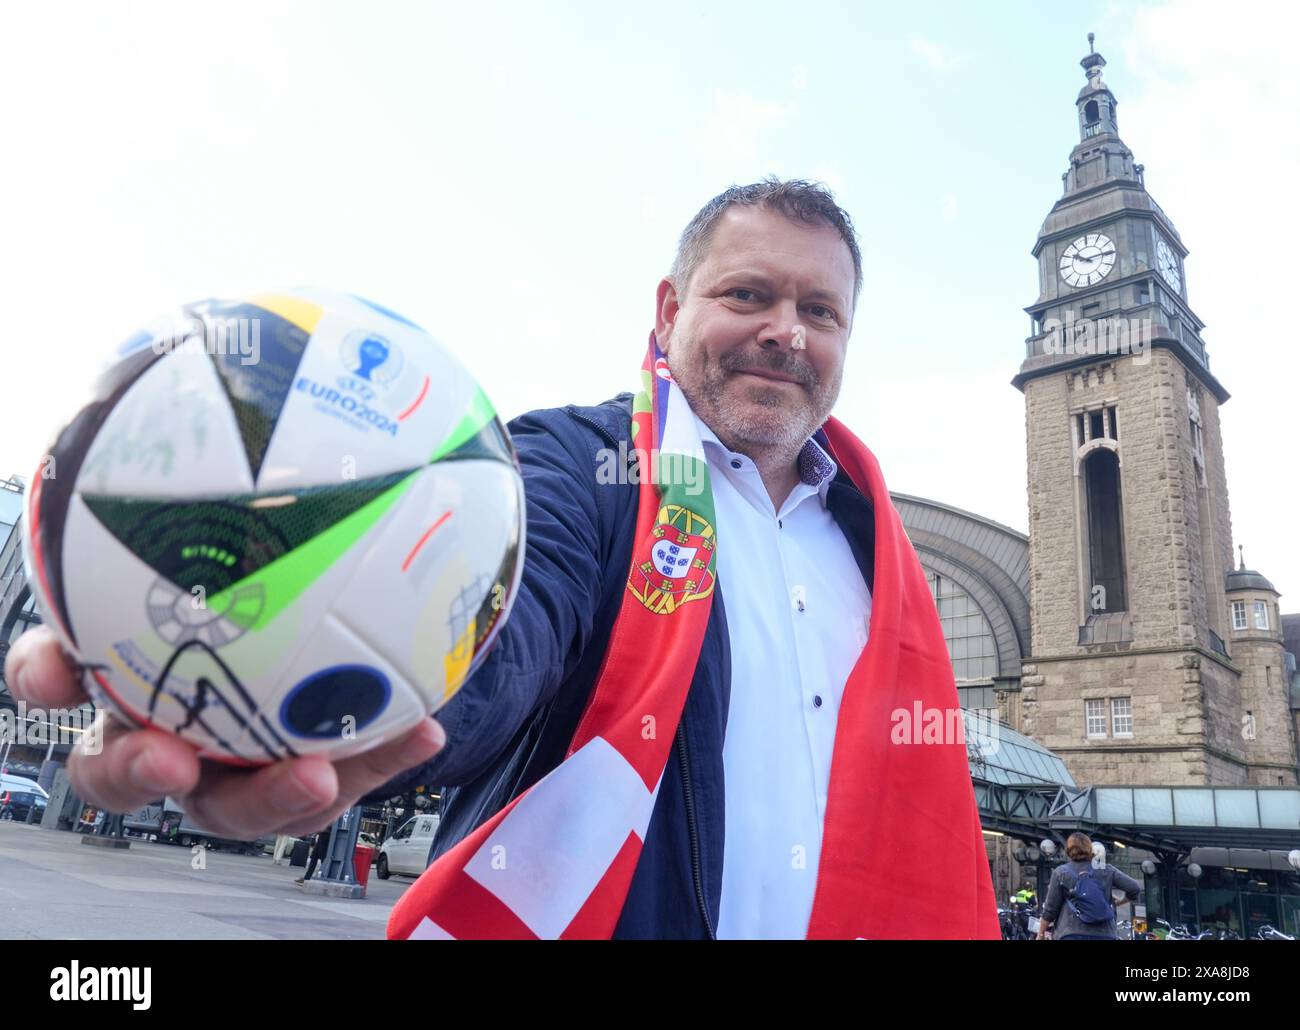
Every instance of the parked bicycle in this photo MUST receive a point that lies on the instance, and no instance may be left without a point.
(1019, 922)
(1166, 931)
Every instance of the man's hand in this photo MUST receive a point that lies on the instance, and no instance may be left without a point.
(295, 796)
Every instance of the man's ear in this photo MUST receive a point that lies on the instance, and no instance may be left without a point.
(666, 308)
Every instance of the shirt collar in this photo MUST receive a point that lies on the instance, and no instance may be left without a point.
(816, 467)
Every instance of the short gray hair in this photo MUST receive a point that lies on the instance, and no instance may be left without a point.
(808, 202)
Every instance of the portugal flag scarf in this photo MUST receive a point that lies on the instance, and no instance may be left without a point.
(902, 853)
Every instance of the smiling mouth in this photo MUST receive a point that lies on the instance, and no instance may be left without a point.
(770, 377)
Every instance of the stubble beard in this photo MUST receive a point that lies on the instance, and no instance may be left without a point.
(774, 420)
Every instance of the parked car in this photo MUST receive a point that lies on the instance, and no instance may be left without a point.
(18, 795)
(407, 850)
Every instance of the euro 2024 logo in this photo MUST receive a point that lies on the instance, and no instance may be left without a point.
(372, 360)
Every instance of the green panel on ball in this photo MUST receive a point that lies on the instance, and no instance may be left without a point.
(287, 577)
(222, 543)
(481, 413)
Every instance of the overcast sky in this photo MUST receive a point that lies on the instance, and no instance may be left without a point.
(514, 178)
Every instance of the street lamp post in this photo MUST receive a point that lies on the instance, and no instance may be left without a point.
(1148, 871)
(1048, 850)
(1194, 871)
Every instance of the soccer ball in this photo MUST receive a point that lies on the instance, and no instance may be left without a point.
(282, 525)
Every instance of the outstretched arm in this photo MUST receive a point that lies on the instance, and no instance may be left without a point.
(551, 621)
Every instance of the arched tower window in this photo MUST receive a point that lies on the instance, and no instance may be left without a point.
(1106, 588)
(1091, 113)
(1197, 434)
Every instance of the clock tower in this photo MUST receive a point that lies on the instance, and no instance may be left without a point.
(1135, 675)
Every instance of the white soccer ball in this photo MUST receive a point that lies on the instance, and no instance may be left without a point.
(282, 525)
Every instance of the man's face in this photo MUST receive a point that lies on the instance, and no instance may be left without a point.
(730, 338)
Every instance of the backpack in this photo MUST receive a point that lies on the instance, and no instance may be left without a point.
(1089, 901)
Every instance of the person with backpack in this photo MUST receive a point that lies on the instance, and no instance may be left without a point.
(1080, 895)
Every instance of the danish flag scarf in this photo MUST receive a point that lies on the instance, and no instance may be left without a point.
(902, 852)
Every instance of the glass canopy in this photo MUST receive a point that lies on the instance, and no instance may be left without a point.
(1001, 755)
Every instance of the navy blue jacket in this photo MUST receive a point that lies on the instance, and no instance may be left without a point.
(513, 720)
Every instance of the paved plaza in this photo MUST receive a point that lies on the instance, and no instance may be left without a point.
(54, 887)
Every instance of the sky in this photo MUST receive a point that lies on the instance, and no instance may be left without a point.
(514, 178)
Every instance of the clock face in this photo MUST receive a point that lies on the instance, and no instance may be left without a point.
(1167, 264)
(1088, 259)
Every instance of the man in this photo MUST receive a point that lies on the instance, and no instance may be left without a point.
(283, 842)
(637, 758)
(319, 846)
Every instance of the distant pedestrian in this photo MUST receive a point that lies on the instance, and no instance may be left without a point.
(317, 854)
(1080, 895)
(282, 843)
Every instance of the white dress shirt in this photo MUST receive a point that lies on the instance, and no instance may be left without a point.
(798, 615)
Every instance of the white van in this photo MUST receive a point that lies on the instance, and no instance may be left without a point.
(22, 785)
(407, 850)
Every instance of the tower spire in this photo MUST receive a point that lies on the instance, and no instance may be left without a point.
(1096, 102)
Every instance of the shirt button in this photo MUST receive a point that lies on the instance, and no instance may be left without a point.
(817, 700)
(735, 463)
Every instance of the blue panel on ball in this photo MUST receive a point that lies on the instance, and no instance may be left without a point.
(140, 339)
(386, 311)
(318, 706)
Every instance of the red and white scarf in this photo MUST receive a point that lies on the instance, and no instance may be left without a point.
(902, 851)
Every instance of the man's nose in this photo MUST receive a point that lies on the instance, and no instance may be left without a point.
(784, 330)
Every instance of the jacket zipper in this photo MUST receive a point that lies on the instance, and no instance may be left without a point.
(594, 425)
(691, 828)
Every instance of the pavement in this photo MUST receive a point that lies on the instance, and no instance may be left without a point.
(53, 887)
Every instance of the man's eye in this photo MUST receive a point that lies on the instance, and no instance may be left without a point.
(822, 311)
(749, 294)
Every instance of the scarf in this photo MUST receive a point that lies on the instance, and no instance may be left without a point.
(902, 852)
